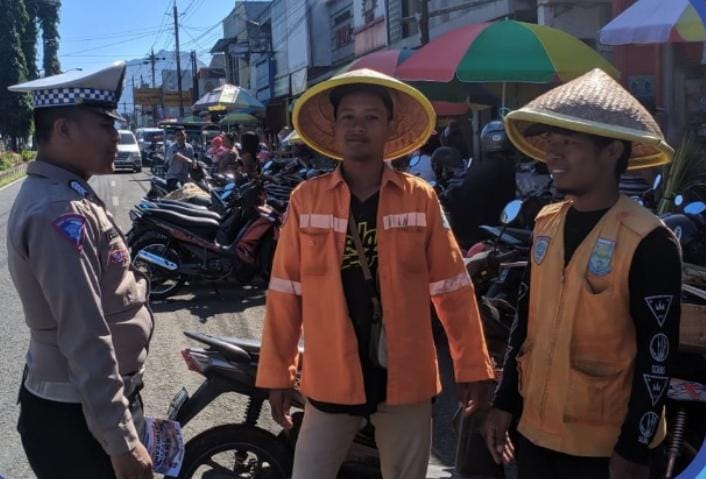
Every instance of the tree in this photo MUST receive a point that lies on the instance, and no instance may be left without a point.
(15, 109)
(48, 12)
(29, 38)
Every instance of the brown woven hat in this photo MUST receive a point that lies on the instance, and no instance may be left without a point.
(595, 104)
(413, 117)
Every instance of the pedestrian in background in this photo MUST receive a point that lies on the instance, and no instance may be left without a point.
(84, 303)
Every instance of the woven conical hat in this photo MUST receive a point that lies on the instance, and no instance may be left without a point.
(413, 119)
(596, 104)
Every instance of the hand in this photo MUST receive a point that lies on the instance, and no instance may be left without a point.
(136, 464)
(495, 432)
(280, 403)
(473, 396)
(621, 468)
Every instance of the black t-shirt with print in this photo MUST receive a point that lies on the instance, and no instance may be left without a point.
(360, 307)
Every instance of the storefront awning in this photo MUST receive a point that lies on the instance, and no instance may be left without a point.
(657, 21)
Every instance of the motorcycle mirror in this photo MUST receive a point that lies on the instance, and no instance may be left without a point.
(511, 212)
(678, 200)
(657, 181)
(695, 208)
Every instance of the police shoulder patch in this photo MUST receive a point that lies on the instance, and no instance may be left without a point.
(539, 251)
(72, 228)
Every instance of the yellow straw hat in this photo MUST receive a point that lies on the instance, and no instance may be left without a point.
(413, 117)
(595, 104)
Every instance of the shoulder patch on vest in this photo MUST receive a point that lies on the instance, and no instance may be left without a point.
(539, 248)
(601, 257)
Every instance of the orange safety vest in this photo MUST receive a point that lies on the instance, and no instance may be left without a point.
(418, 262)
(576, 365)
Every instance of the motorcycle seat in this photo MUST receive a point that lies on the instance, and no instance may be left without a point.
(205, 227)
(197, 212)
(252, 346)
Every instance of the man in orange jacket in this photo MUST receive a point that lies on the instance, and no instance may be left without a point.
(589, 358)
(369, 350)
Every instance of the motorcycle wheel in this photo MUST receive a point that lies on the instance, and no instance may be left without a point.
(162, 284)
(236, 451)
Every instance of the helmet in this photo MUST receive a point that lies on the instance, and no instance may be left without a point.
(445, 161)
(494, 139)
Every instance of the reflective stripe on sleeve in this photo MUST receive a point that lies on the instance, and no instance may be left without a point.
(326, 222)
(286, 286)
(450, 285)
(404, 220)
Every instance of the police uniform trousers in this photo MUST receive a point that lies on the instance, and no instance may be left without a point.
(57, 441)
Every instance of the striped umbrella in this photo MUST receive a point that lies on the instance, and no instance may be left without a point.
(503, 52)
(658, 21)
(447, 99)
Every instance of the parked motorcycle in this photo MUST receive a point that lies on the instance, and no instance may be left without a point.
(173, 245)
(246, 449)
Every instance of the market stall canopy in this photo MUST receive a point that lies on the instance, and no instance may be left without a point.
(228, 97)
(238, 118)
(657, 21)
(506, 51)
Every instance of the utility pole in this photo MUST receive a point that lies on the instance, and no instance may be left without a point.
(195, 76)
(152, 59)
(424, 22)
(178, 61)
(134, 104)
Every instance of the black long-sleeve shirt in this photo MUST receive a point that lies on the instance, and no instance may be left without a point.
(655, 287)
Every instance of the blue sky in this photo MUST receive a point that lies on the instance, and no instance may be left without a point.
(97, 32)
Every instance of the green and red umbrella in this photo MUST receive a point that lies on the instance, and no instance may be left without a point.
(503, 52)
(448, 100)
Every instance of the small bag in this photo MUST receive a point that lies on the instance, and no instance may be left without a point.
(377, 347)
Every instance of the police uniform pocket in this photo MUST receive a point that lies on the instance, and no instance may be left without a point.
(315, 250)
(597, 392)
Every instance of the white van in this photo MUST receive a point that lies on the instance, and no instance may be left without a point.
(129, 157)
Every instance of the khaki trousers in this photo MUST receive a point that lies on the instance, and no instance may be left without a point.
(402, 434)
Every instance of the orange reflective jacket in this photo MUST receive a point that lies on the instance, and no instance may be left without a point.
(418, 262)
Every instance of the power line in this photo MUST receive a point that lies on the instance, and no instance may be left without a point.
(138, 37)
(107, 36)
(163, 25)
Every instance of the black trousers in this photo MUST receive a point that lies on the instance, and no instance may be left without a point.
(57, 441)
(534, 462)
(173, 184)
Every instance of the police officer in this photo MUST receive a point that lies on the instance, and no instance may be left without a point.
(85, 306)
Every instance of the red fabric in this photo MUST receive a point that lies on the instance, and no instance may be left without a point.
(383, 61)
(445, 108)
(438, 59)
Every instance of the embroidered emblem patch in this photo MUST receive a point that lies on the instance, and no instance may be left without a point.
(648, 425)
(541, 245)
(601, 257)
(659, 347)
(656, 386)
(119, 256)
(79, 188)
(659, 306)
(71, 227)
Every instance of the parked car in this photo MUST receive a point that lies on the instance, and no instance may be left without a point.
(129, 156)
(150, 140)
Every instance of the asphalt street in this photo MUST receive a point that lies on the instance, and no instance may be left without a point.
(230, 311)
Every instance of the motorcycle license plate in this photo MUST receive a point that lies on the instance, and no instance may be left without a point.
(181, 397)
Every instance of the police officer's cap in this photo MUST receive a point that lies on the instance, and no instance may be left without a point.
(98, 89)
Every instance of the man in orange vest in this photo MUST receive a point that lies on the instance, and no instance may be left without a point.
(363, 253)
(589, 360)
